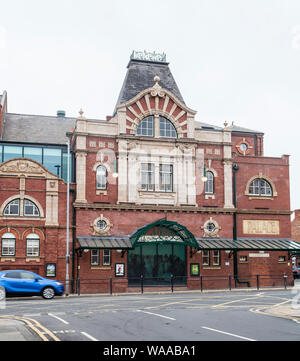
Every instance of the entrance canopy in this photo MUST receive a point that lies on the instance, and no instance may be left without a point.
(248, 244)
(170, 232)
(163, 232)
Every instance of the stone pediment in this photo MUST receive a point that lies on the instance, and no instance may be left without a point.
(24, 167)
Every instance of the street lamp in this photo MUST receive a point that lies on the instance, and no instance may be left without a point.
(68, 218)
(115, 173)
(204, 177)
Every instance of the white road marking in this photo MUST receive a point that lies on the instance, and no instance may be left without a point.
(60, 319)
(156, 314)
(89, 336)
(230, 334)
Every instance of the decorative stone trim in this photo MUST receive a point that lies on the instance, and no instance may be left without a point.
(97, 230)
(241, 151)
(207, 232)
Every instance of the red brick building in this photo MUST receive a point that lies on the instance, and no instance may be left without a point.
(155, 195)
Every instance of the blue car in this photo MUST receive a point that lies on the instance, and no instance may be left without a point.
(25, 283)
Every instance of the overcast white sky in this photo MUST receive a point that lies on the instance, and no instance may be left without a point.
(234, 60)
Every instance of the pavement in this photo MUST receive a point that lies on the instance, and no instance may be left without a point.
(15, 330)
(12, 329)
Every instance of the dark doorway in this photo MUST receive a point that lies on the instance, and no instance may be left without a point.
(157, 262)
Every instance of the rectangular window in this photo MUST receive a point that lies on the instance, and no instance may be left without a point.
(52, 160)
(147, 177)
(281, 259)
(243, 259)
(95, 257)
(166, 177)
(33, 153)
(106, 257)
(33, 248)
(8, 247)
(65, 167)
(216, 258)
(11, 151)
(205, 258)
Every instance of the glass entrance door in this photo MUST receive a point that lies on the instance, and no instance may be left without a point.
(157, 262)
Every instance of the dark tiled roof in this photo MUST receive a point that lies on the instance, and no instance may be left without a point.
(234, 128)
(140, 75)
(36, 128)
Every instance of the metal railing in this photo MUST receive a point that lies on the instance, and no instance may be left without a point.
(175, 283)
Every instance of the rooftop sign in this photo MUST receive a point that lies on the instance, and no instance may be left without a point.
(148, 56)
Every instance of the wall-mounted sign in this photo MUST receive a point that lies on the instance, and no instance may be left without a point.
(260, 227)
(195, 269)
(51, 270)
(259, 255)
(120, 270)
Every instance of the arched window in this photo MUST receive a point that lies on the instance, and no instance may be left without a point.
(8, 244)
(32, 245)
(146, 127)
(260, 187)
(209, 184)
(166, 128)
(101, 177)
(30, 209)
(13, 208)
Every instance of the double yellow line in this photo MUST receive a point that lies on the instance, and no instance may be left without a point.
(40, 330)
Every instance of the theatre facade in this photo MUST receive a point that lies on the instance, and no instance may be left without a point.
(156, 196)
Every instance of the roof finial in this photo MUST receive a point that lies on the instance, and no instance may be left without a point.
(81, 112)
(225, 124)
(156, 79)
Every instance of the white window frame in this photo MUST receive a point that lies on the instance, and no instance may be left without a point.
(106, 257)
(14, 202)
(95, 257)
(10, 240)
(32, 245)
(148, 170)
(166, 126)
(36, 212)
(209, 184)
(101, 178)
(163, 186)
(257, 185)
(205, 256)
(146, 126)
(216, 258)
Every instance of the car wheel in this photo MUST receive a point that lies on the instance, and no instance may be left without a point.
(48, 293)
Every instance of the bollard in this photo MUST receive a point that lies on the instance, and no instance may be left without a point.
(284, 280)
(142, 284)
(257, 281)
(78, 287)
(201, 284)
(172, 283)
(110, 285)
(229, 282)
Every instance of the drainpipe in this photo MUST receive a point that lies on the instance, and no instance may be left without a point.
(235, 168)
(73, 239)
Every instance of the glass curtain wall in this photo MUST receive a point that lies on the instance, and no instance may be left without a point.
(53, 158)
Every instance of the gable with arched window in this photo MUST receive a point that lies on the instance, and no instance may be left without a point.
(149, 127)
